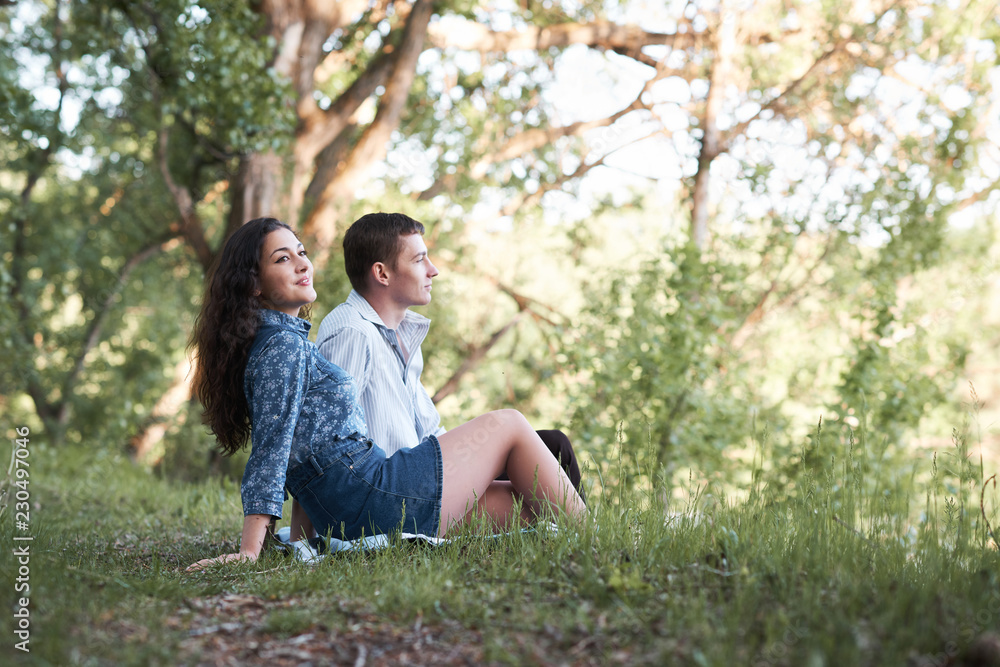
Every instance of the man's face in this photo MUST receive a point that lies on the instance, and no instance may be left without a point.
(410, 279)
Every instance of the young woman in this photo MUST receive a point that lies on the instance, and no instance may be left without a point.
(260, 379)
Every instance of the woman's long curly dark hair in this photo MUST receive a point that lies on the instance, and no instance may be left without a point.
(224, 332)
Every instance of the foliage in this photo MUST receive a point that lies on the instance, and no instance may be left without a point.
(197, 64)
(675, 361)
(848, 135)
(89, 308)
(662, 382)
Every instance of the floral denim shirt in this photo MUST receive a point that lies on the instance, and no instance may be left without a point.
(298, 401)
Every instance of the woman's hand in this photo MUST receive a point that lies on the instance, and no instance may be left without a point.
(224, 558)
(254, 531)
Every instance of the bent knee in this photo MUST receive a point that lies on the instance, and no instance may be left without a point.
(511, 417)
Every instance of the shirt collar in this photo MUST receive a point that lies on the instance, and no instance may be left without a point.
(367, 312)
(285, 321)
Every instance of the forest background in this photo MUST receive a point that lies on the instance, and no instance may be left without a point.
(700, 237)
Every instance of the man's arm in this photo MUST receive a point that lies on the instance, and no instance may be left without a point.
(349, 349)
(428, 420)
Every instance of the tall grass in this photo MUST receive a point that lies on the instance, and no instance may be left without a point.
(861, 563)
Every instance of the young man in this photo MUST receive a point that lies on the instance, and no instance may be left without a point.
(376, 338)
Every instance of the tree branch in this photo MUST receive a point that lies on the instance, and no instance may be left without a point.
(979, 196)
(470, 36)
(758, 312)
(536, 138)
(321, 129)
(97, 324)
(327, 164)
(338, 61)
(301, 28)
(40, 161)
(190, 225)
(164, 412)
(838, 46)
(773, 103)
(372, 145)
(524, 142)
(523, 301)
(46, 410)
(470, 362)
(530, 199)
(526, 303)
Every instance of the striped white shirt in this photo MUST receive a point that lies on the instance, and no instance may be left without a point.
(398, 410)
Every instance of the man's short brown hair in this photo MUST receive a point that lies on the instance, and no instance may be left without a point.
(372, 238)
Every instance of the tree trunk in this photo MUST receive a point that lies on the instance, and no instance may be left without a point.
(300, 29)
(321, 222)
(710, 143)
(253, 189)
(475, 356)
(165, 412)
(321, 131)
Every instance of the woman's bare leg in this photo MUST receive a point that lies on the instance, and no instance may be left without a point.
(476, 452)
(497, 504)
(302, 527)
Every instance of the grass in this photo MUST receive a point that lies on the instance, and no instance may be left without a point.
(855, 568)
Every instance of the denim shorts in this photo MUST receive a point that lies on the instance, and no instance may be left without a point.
(350, 488)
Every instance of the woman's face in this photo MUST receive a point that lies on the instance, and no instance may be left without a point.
(285, 273)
